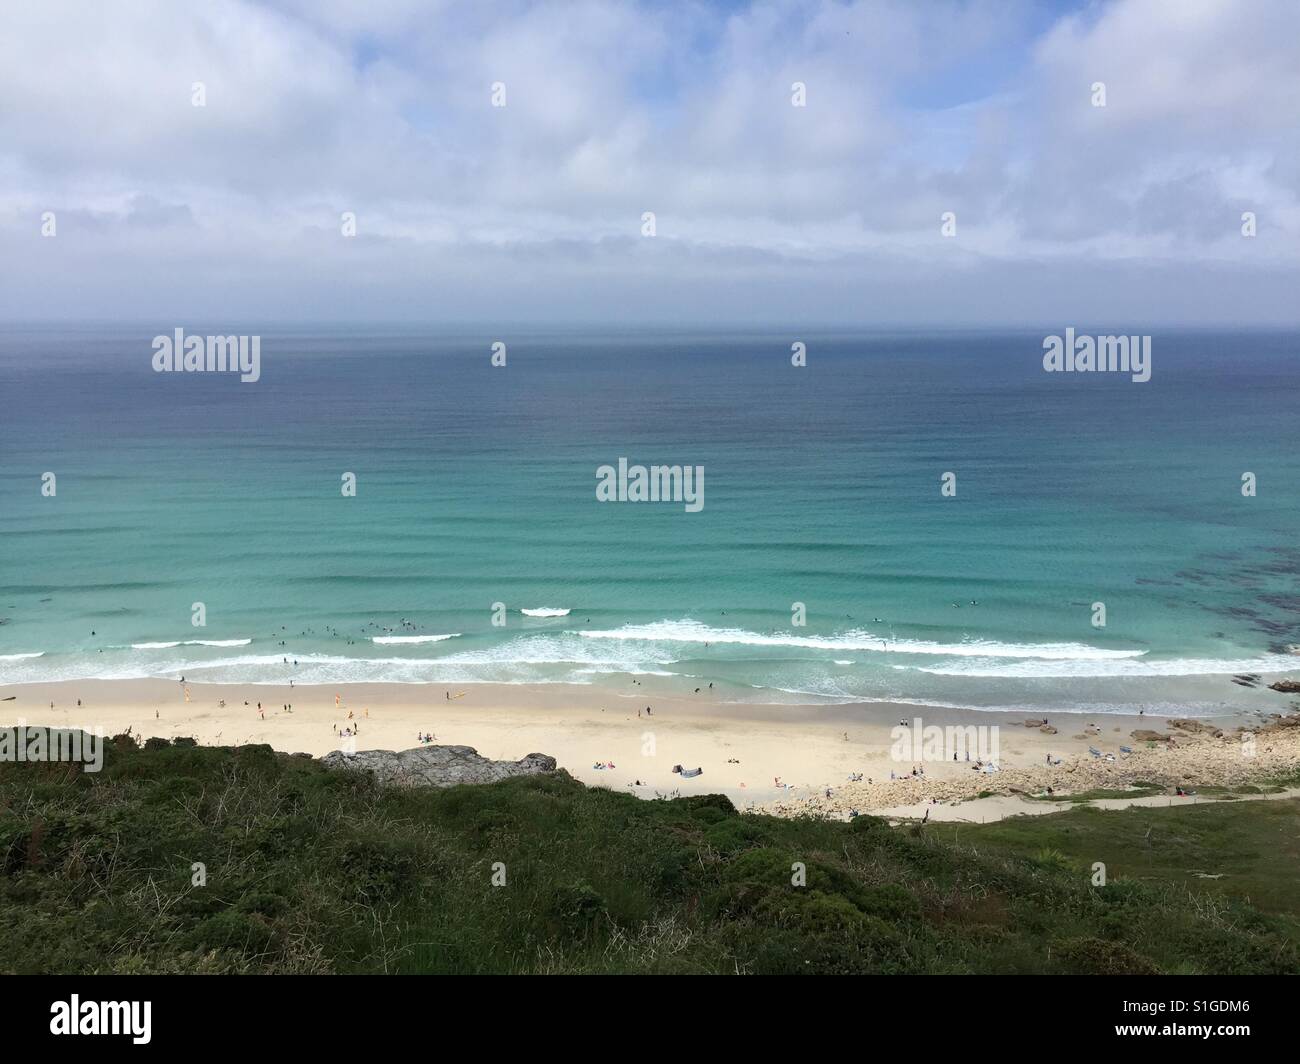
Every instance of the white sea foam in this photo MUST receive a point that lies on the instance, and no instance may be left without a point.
(629, 672)
(694, 632)
(22, 657)
(546, 611)
(530, 658)
(1098, 669)
(192, 643)
(557, 649)
(392, 639)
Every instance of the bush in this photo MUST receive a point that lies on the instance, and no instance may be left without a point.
(1095, 956)
(315, 870)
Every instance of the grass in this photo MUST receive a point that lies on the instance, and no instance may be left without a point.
(1253, 846)
(1138, 790)
(309, 870)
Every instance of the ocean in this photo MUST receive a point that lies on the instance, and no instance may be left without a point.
(476, 486)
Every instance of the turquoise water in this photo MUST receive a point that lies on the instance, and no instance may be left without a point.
(476, 485)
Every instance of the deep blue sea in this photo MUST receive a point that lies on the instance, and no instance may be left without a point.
(476, 485)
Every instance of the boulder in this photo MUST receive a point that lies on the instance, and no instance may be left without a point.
(1195, 727)
(1143, 735)
(1287, 687)
(436, 766)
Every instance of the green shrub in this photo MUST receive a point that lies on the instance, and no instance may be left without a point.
(1095, 956)
(315, 870)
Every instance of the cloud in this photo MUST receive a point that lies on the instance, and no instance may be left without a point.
(681, 108)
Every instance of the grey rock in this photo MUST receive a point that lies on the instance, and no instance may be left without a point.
(436, 766)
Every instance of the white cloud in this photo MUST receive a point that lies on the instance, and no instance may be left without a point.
(383, 108)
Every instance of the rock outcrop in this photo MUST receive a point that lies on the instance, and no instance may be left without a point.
(1288, 687)
(436, 766)
(1196, 727)
(1145, 735)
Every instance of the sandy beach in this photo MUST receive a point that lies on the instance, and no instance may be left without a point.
(782, 758)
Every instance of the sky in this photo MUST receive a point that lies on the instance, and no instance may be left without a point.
(764, 212)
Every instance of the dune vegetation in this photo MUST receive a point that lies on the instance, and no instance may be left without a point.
(180, 858)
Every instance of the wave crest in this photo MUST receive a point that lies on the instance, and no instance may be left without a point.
(694, 632)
